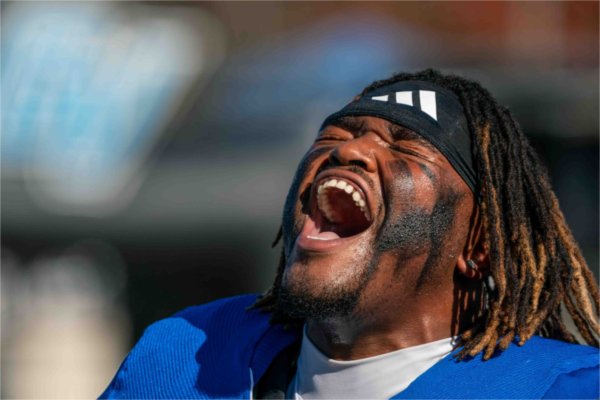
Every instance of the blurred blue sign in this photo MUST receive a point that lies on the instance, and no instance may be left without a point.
(87, 87)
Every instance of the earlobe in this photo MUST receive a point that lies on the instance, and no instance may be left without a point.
(474, 262)
(469, 268)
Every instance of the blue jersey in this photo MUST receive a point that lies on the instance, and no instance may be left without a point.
(220, 350)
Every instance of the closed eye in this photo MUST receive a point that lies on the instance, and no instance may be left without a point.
(324, 138)
(404, 150)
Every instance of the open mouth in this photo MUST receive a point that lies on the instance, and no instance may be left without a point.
(338, 210)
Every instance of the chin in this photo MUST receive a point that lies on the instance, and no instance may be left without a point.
(300, 299)
(325, 285)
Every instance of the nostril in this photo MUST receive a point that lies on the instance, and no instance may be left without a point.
(359, 163)
(334, 159)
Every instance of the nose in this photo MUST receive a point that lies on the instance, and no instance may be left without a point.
(358, 151)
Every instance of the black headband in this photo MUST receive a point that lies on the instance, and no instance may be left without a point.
(431, 111)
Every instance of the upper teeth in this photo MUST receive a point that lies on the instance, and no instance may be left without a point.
(323, 200)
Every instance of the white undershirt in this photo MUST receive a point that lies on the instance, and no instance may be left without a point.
(378, 377)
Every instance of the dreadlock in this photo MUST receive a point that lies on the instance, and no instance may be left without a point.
(537, 267)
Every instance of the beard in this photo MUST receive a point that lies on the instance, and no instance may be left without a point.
(301, 298)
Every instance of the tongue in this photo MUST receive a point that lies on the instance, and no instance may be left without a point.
(313, 231)
(327, 235)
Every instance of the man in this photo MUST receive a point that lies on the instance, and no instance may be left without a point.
(424, 256)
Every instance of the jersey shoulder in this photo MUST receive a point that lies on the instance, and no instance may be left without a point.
(541, 367)
(166, 361)
(566, 370)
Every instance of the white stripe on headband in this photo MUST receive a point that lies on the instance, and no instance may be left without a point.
(380, 98)
(426, 98)
(404, 98)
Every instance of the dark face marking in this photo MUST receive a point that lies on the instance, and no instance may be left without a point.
(404, 230)
(428, 172)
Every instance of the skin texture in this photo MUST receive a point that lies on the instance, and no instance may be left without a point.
(404, 280)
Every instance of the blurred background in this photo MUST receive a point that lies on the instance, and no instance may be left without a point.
(147, 147)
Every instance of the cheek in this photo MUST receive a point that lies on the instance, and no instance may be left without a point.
(407, 199)
(408, 184)
(300, 190)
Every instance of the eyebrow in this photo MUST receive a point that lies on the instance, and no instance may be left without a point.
(401, 133)
(351, 124)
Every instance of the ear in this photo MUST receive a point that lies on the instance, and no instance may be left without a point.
(475, 250)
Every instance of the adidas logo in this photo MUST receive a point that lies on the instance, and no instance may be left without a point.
(426, 101)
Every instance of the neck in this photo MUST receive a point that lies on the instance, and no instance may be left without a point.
(388, 326)
(395, 312)
(355, 337)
